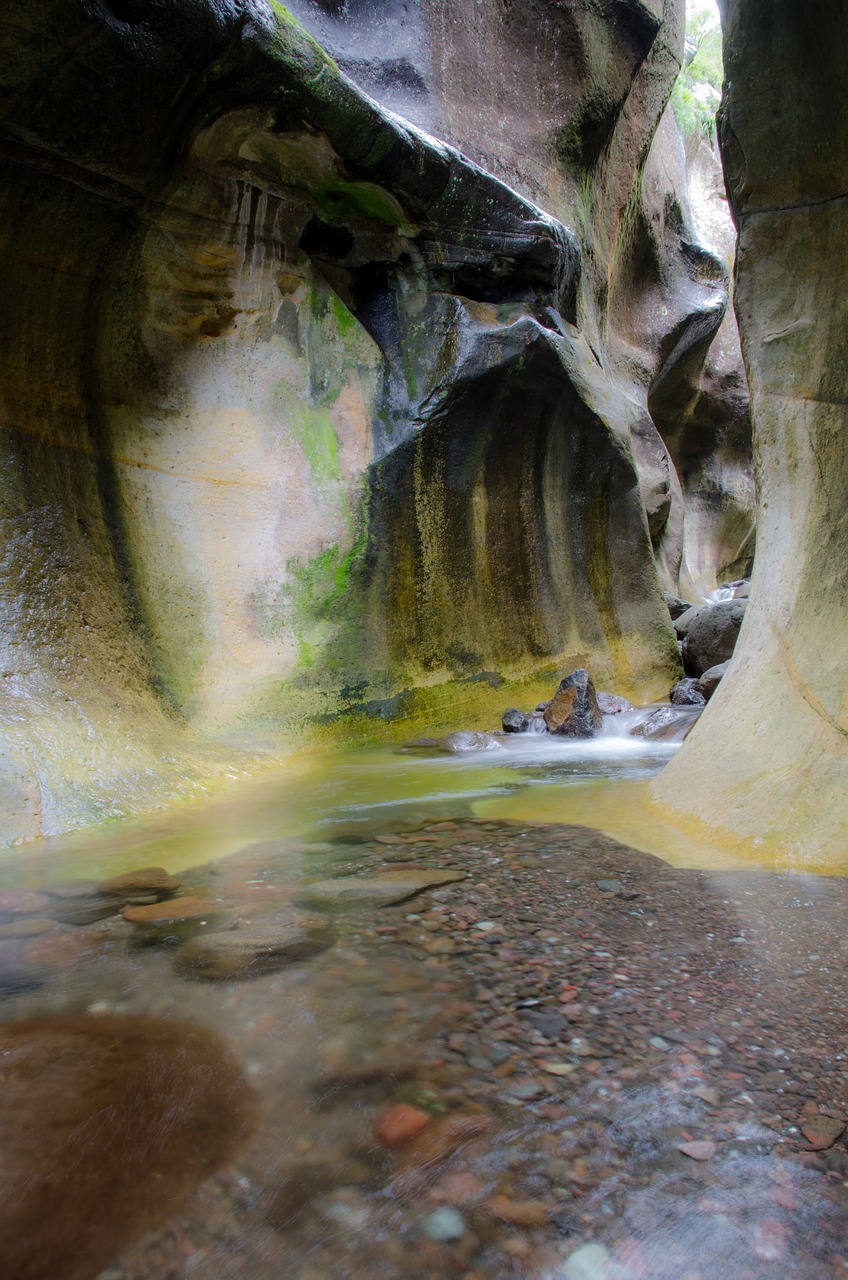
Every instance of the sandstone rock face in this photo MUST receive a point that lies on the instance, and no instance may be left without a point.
(571, 111)
(303, 411)
(769, 759)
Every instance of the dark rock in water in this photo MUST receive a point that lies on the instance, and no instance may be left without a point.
(712, 678)
(613, 704)
(667, 724)
(686, 693)
(107, 1125)
(83, 910)
(249, 953)
(711, 637)
(514, 721)
(542, 706)
(676, 606)
(548, 1021)
(683, 622)
(573, 711)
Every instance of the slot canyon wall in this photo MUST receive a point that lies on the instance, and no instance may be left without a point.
(769, 761)
(315, 424)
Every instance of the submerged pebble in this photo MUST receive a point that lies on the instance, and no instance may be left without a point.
(444, 1225)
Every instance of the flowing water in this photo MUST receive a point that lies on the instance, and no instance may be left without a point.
(563, 1057)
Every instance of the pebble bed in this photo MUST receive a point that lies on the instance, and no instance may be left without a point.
(576, 1063)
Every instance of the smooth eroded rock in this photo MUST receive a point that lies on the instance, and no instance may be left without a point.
(514, 721)
(145, 880)
(249, 953)
(107, 1125)
(177, 909)
(380, 890)
(400, 1123)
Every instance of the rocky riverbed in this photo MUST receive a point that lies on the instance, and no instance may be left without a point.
(574, 1061)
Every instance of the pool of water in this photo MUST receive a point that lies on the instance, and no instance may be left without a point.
(599, 782)
(552, 1055)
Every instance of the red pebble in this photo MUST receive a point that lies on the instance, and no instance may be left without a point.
(400, 1123)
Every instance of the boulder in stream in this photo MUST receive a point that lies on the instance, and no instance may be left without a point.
(573, 711)
(683, 621)
(676, 606)
(613, 704)
(712, 635)
(667, 724)
(686, 693)
(712, 678)
(514, 721)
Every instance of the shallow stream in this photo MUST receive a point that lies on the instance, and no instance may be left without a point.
(562, 1057)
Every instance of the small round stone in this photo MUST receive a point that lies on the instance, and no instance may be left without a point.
(444, 1225)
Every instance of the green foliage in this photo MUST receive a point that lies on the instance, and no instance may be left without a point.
(697, 89)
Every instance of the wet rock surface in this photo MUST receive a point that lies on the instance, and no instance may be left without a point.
(514, 721)
(613, 704)
(687, 693)
(667, 723)
(573, 711)
(577, 1057)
